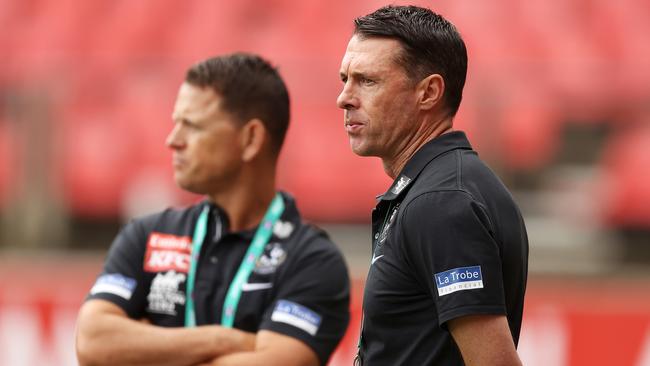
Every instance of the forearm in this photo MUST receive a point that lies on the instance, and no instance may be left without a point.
(113, 339)
(255, 359)
(240, 359)
(272, 349)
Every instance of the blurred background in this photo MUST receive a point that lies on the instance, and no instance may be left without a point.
(557, 101)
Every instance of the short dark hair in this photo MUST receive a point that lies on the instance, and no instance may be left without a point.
(431, 45)
(250, 87)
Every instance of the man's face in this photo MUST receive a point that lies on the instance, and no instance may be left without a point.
(205, 142)
(378, 98)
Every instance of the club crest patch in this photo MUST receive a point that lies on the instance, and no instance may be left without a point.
(274, 255)
(401, 184)
(386, 229)
(282, 229)
(459, 279)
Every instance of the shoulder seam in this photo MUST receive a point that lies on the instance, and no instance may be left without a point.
(461, 190)
(471, 197)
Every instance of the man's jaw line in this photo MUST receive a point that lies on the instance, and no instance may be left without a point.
(427, 132)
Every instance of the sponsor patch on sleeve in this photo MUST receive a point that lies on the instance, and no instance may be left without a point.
(297, 315)
(166, 252)
(459, 279)
(116, 284)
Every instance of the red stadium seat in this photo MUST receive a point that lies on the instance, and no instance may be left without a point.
(209, 28)
(331, 183)
(97, 159)
(530, 129)
(9, 153)
(139, 30)
(628, 48)
(625, 190)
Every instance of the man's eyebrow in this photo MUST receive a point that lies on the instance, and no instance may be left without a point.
(179, 118)
(360, 75)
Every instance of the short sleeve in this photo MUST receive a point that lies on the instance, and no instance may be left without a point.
(312, 302)
(122, 280)
(450, 244)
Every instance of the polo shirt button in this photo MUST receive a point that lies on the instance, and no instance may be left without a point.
(376, 235)
(213, 259)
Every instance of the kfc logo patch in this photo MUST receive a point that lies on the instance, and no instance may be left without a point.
(167, 252)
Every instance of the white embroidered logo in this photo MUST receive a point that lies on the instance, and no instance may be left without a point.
(374, 259)
(385, 230)
(401, 184)
(164, 294)
(282, 229)
(273, 256)
(256, 286)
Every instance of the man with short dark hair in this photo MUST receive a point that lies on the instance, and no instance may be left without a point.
(450, 252)
(238, 279)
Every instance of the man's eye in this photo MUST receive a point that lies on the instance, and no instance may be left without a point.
(366, 81)
(189, 124)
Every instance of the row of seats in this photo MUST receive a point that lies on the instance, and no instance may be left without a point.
(564, 40)
(111, 69)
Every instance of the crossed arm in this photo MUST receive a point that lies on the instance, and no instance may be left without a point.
(106, 336)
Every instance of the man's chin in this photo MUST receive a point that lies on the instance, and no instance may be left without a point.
(360, 150)
(186, 186)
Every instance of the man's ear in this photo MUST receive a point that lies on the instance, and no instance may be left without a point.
(253, 137)
(431, 89)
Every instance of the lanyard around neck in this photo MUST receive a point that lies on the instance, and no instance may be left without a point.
(255, 249)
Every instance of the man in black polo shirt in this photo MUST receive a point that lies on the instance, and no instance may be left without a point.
(449, 258)
(238, 279)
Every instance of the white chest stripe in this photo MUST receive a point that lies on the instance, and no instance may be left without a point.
(256, 286)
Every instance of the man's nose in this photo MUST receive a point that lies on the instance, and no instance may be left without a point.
(347, 99)
(173, 140)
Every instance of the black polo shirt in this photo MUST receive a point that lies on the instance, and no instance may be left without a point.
(448, 241)
(299, 287)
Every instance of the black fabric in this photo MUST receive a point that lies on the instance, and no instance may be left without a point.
(446, 210)
(300, 265)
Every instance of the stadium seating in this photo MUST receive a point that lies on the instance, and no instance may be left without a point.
(626, 189)
(9, 153)
(114, 67)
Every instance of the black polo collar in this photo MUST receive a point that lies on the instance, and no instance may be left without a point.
(290, 215)
(431, 150)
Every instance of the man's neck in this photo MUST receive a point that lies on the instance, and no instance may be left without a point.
(247, 202)
(428, 131)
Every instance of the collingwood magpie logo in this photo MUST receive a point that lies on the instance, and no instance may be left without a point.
(386, 229)
(282, 229)
(273, 256)
(401, 184)
(381, 237)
